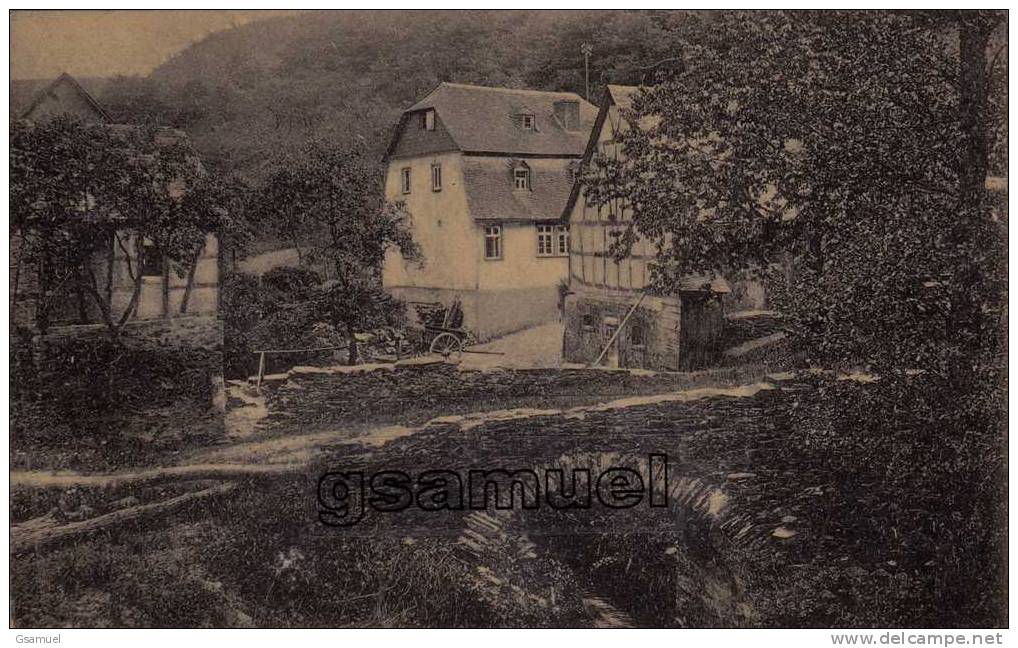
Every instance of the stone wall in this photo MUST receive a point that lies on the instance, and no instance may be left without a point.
(310, 396)
(76, 375)
(663, 333)
(734, 507)
(586, 332)
(741, 327)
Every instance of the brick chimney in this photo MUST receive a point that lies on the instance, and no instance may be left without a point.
(567, 112)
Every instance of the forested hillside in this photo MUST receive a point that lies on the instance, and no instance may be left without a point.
(253, 95)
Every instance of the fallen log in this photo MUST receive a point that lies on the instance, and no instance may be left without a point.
(42, 532)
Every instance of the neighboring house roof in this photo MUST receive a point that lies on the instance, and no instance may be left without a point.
(23, 92)
(621, 95)
(492, 196)
(614, 95)
(66, 94)
(41, 92)
(485, 120)
(700, 283)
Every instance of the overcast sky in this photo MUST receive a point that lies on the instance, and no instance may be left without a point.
(107, 43)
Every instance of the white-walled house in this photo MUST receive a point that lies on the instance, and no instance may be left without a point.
(485, 173)
(166, 291)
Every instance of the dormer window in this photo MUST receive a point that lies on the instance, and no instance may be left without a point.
(521, 178)
(428, 120)
(528, 122)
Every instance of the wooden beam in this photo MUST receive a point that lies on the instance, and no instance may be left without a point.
(42, 532)
(618, 330)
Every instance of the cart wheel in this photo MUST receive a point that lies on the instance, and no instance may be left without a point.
(447, 345)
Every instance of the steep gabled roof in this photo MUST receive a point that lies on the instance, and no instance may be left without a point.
(48, 90)
(614, 95)
(485, 120)
(622, 95)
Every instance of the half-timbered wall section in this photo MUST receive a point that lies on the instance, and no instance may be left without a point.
(610, 313)
(166, 291)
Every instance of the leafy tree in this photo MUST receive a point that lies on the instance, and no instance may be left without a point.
(844, 155)
(81, 193)
(831, 140)
(334, 199)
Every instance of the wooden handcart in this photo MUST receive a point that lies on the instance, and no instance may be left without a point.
(443, 333)
(446, 342)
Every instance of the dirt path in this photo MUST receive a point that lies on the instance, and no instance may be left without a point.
(536, 347)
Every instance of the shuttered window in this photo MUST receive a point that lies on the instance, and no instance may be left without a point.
(521, 178)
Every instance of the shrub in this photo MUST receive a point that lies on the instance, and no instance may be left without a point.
(936, 448)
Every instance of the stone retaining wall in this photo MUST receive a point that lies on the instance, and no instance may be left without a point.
(323, 395)
(749, 325)
(704, 560)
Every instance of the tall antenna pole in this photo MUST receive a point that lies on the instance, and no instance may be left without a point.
(587, 50)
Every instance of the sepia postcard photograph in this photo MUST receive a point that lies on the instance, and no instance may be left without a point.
(548, 319)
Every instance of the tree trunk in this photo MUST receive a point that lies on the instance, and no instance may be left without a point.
(92, 288)
(79, 296)
(17, 275)
(42, 300)
(111, 261)
(192, 269)
(352, 339)
(133, 304)
(137, 277)
(973, 91)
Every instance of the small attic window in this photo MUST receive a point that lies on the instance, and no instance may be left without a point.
(428, 120)
(528, 122)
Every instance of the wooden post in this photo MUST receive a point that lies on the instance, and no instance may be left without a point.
(261, 369)
(166, 287)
